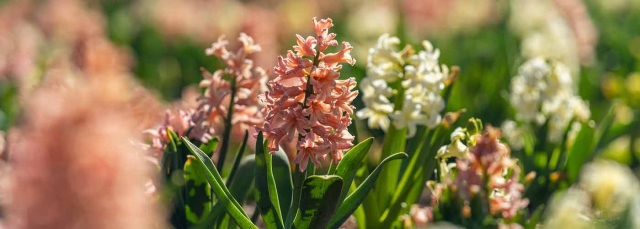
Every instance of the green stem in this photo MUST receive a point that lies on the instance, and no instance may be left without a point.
(299, 177)
(298, 180)
(236, 163)
(226, 135)
(411, 176)
(394, 142)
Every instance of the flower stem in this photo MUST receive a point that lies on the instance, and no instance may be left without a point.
(298, 180)
(394, 141)
(299, 177)
(226, 135)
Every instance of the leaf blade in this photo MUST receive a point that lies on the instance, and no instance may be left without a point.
(206, 167)
(267, 195)
(316, 207)
(350, 164)
(354, 200)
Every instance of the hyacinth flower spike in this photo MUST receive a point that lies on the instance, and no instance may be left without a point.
(308, 103)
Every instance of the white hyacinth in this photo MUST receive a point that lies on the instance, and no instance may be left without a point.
(421, 78)
(612, 186)
(570, 210)
(606, 190)
(514, 134)
(543, 91)
(544, 32)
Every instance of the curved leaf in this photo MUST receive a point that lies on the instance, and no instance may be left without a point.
(198, 191)
(580, 151)
(282, 174)
(239, 189)
(317, 203)
(354, 200)
(239, 154)
(350, 163)
(206, 167)
(267, 195)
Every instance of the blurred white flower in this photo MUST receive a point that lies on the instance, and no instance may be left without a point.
(384, 61)
(410, 116)
(421, 81)
(612, 186)
(513, 133)
(366, 24)
(544, 91)
(570, 210)
(556, 29)
(527, 89)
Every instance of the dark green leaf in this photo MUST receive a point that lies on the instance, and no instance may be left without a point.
(533, 221)
(198, 199)
(580, 151)
(239, 154)
(318, 201)
(239, 189)
(210, 146)
(282, 174)
(267, 195)
(354, 200)
(206, 167)
(350, 164)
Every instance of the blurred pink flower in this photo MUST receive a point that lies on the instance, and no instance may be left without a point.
(491, 158)
(421, 215)
(307, 102)
(179, 123)
(73, 165)
(435, 17)
(3, 143)
(586, 35)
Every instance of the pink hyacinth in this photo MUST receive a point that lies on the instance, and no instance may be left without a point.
(239, 75)
(179, 123)
(307, 101)
(491, 159)
(239, 80)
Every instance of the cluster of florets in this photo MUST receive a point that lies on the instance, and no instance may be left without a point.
(544, 91)
(485, 169)
(415, 99)
(236, 87)
(606, 192)
(240, 81)
(307, 102)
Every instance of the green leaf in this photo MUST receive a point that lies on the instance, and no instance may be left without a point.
(267, 195)
(533, 221)
(239, 189)
(586, 142)
(580, 151)
(394, 142)
(206, 167)
(354, 200)
(210, 146)
(350, 164)
(239, 154)
(318, 201)
(282, 174)
(241, 186)
(198, 192)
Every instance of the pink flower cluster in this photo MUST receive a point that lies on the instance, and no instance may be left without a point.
(179, 123)
(240, 76)
(307, 102)
(240, 80)
(490, 166)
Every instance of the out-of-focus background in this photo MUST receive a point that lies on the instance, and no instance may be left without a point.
(158, 45)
